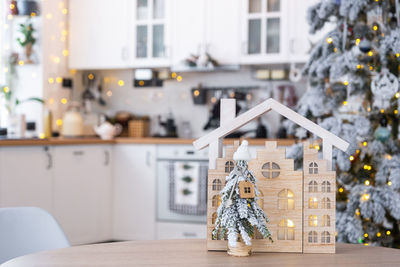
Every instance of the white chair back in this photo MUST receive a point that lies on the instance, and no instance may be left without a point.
(27, 230)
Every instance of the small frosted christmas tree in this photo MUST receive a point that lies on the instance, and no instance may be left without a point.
(239, 215)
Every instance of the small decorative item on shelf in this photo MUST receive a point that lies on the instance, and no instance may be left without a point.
(239, 214)
(28, 40)
(13, 8)
(300, 204)
(28, 8)
(139, 127)
(72, 121)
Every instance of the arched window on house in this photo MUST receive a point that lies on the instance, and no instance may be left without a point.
(219, 237)
(313, 168)
(260, 200)
(216, 201)
(286, 200)
(326, 203)
(229, 166)
(313, 186)
(326, 220)
(313, 220)
(313, 203)
(312, 237)
(326, 186)
(325, 237)
(270, 170)
(214, 218)
(286, 230)
(216, 185)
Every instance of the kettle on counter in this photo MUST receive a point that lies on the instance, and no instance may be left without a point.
(72, 121)
(107, 131)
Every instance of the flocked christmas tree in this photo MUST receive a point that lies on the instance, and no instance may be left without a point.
(239, 215)
(354, 93)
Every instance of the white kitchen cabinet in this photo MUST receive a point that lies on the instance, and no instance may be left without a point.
(223, 30)
(264, 31)
(98, 34)
(275, 31)
(134, 192)
(150, 29)
(26, 177)
(82, 192)
(108, 34)
(300, 39)
(206, 25)
(188, 34)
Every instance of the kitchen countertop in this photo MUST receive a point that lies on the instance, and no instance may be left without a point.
(125, 140)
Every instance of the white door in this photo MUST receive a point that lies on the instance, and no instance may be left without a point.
(98, 34)
(82, 187)
(134, 192)
(26, 177)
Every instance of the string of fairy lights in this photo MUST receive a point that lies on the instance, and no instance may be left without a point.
(57, 99)
(367, 237)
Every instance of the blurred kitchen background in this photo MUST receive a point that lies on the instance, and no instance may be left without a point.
(151, 73)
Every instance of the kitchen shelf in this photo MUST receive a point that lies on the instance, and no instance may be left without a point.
(221, 68)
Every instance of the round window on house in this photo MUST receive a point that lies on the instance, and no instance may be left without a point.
(270, 170)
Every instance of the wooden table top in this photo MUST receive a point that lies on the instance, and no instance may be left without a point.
(194, 253)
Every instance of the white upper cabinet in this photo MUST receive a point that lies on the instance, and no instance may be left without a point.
(264, 34)
(275, 31)
(150, 32)
(300, 39)
(206, 26)
(223, 30)
(107, 34)
(188, 34)
(98, 34)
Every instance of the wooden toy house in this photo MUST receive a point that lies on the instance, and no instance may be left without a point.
(299, 204)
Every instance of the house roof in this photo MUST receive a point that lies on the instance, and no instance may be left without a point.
(264, 107)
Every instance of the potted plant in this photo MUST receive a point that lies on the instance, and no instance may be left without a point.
(28, 40)
(13, 121)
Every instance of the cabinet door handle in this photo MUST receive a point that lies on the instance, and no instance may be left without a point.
(78, 153)
(49, 161)
(292, 42)
(186, 234)
(167, 51)
(244, 47)
(106, 157)
(49, 158)
(124, 53)
(148, 159)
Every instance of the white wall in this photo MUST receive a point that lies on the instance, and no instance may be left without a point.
(176, 96)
